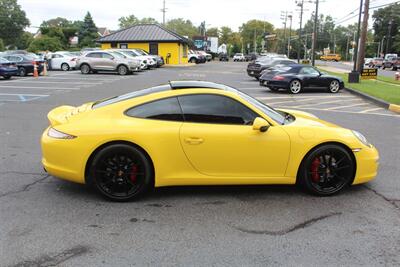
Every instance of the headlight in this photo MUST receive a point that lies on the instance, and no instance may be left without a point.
(59, 135)
(361, 138)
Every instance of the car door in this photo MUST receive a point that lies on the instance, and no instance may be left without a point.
(310, 77)
(56, 60)
(108, 61)
(218, 139)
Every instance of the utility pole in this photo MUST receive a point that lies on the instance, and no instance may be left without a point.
(314, 40)
(354, 76)
(389, 36)
(382, 47)
(163, 10)
(334, 43)
(255, 41)
(347, 46)
(363, 38)
(301, 5)
(290, 35)
(284, 15)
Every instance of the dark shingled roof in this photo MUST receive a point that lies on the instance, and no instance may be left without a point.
(143, 33)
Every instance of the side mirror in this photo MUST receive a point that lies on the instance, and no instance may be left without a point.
(260, 124)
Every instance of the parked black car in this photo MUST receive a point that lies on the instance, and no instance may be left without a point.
(254, 69)
(251, 56)
(25, 63)
(223, 57)
(295, 78)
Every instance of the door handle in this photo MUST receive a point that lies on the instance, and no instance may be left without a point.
(194, 140)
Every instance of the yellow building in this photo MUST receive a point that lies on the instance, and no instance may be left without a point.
(152, 38)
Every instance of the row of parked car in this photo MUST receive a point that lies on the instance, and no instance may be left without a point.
(391, 61)
(19, 62)
(278, 72)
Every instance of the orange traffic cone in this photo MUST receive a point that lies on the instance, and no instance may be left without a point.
(35, 70)
(44, 72)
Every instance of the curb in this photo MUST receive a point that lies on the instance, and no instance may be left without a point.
(377, 101)
(394, 108)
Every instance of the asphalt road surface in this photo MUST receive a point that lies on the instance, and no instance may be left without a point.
(348, 66)
(45, 221)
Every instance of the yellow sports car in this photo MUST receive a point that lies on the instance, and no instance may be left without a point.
(200, 133)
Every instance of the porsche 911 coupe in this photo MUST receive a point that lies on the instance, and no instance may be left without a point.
(295, 78)
(200, 133)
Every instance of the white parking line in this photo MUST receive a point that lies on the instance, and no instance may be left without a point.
(294, 97)
(328, 102)
(351, 112)
(40, 88)
(58, 82)
(371, 109)
(348, 106)
(291, 101)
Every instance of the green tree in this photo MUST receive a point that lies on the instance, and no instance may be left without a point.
(255, 30)
(13, 21)
(182, 27)
(87, 33)
(225, 35)
(1, 45)
(24, 40)
(148, 20)
(125, 22)
(212, 32)
(383, 19)
(45, 43)
(56, 22)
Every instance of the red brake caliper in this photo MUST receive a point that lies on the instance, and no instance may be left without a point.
(134, 173)
(314, 170)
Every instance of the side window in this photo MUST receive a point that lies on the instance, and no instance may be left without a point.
(167, 109)
(205, 108)
(96, 55)
(308, 70)
(106, 55)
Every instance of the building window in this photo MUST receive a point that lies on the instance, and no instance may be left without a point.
(123, 46)
(113, 45)
(185, 51)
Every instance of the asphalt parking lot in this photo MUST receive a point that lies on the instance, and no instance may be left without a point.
(45, 221)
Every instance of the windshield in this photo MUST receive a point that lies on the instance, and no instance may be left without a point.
(270, 112)
(141, 52)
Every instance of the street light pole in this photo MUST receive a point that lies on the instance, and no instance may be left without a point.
(389, 37)
(290, 36)
(301, 5)
(314, 41)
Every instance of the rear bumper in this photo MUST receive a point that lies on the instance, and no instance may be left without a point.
(8, 72)
(274, 84)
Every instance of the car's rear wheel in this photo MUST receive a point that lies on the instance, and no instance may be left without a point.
(85, 69)
(65, 67)
(295, 86)
(22, 71)
(334, 86)
(121, 172)
(326, 170)
(122, 70)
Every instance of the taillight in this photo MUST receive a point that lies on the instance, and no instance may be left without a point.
(73, 59)
(278, 78)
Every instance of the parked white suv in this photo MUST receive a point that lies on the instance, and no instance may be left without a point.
(239, 57)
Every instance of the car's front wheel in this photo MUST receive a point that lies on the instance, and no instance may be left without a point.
(326, 170)
(334, 86)
(295, 86)
(121, 172)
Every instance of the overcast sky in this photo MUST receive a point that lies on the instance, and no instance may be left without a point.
(216, 13)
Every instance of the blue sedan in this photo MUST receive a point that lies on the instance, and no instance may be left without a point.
(7, 68)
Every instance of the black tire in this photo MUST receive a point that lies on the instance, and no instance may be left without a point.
(295, 86)
(22, 72)
(85, 69)
(193, 60)
(122, 70)
(121, 172)
(326, 170)
(65, 67)
(7, 77)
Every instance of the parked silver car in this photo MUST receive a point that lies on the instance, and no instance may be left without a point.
(94, 61)
(130, 54)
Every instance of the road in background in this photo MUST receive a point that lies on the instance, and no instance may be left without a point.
(349, 66)
(46, 221)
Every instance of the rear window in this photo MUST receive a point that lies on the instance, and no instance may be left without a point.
(131, 95)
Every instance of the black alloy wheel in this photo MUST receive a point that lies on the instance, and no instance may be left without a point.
(121, 172)
(22, 72)
(327, 170)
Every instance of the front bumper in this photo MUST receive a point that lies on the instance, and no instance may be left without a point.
(367, 164)
(254, 73)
